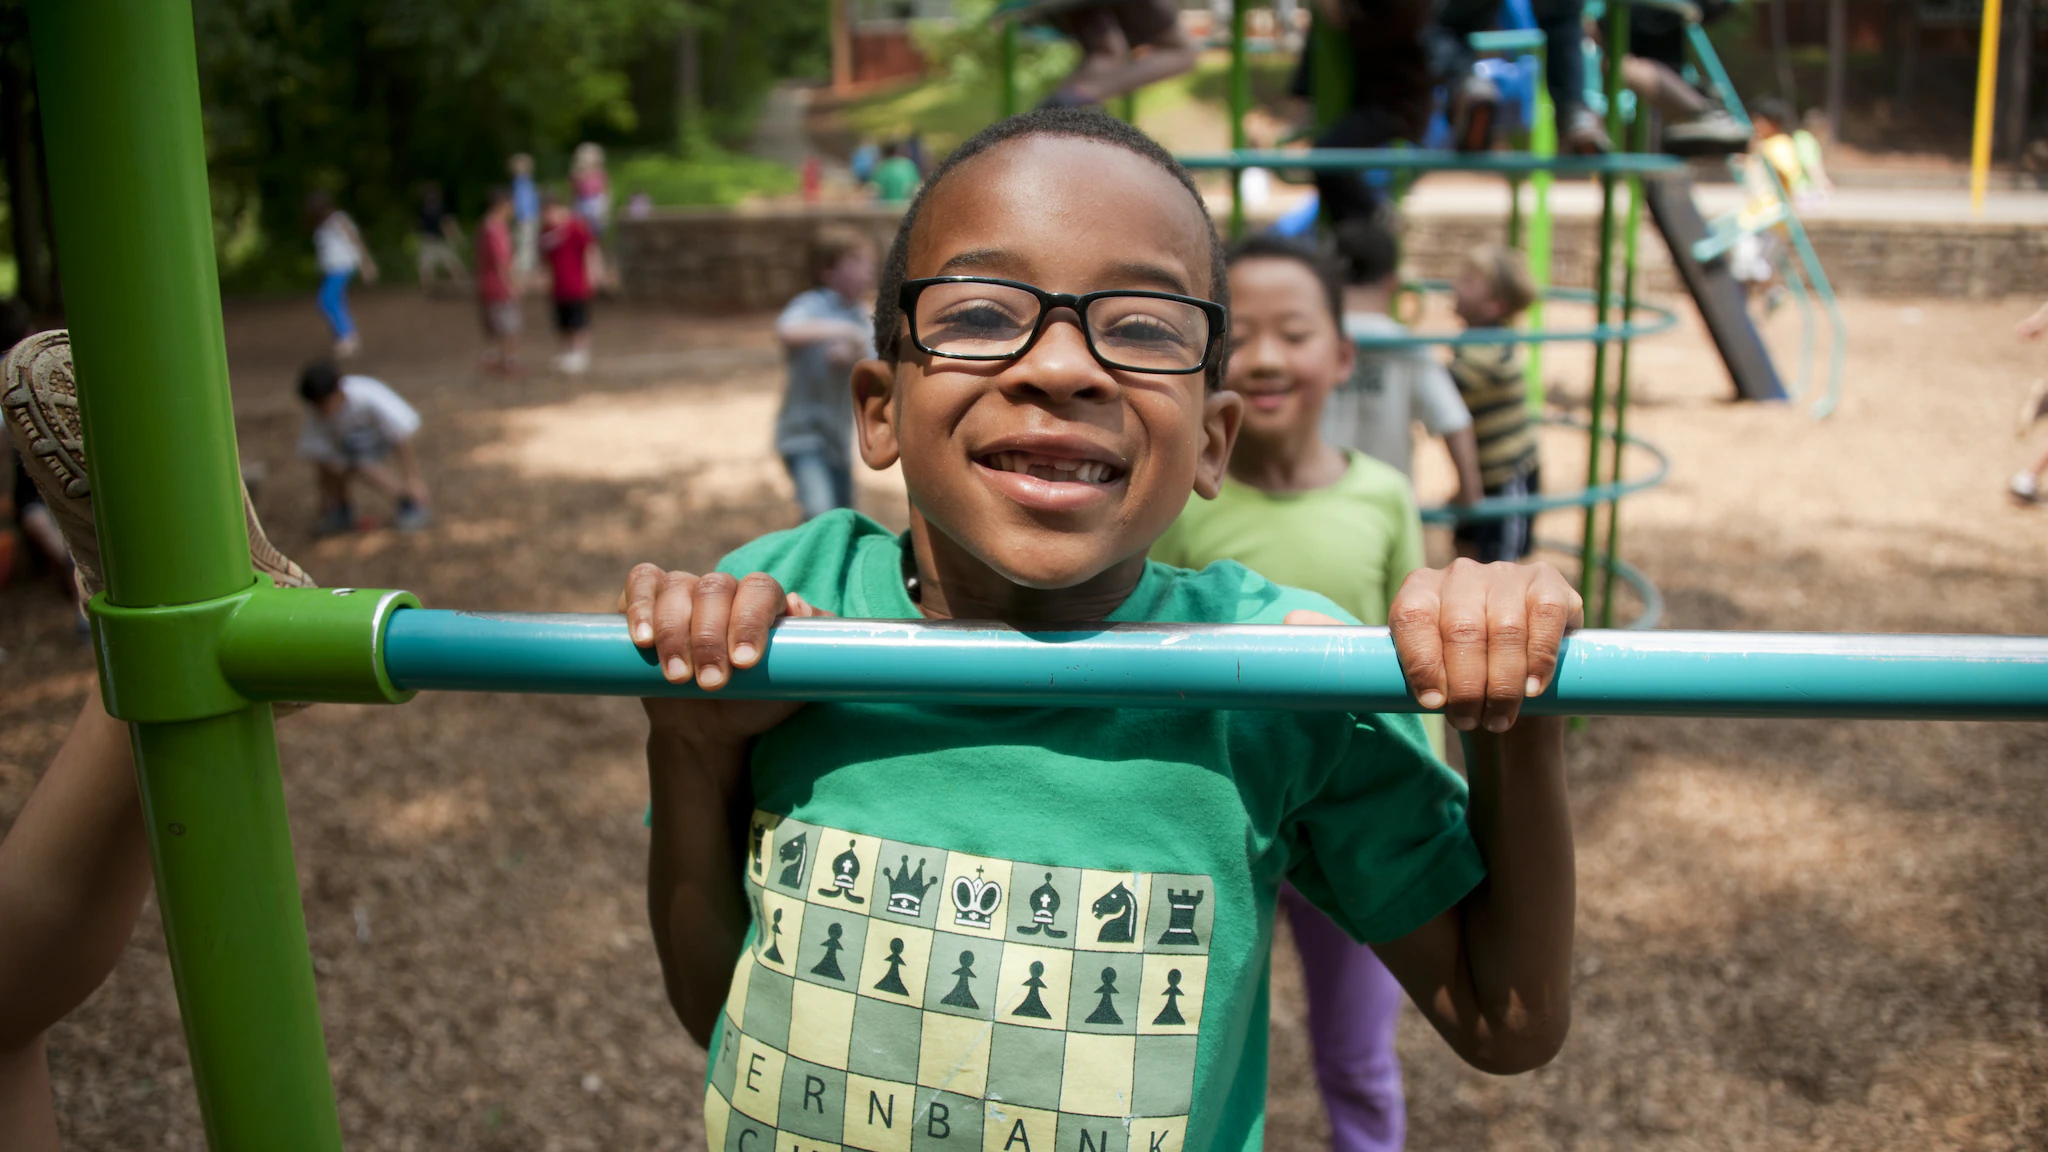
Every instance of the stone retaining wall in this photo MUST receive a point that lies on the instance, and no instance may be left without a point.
(756, 259)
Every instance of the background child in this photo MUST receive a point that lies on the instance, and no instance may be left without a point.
(497, 285)
(1125, 45)
(896, 176)
(1391, 389)
(342, 254)
(1490, 292)
(590, 189)
(567, 242)
(355, 429)
(525, 219)
(437, 236)
(823, 331)
(1300, 511)
(2026, 483)
(1053, 355)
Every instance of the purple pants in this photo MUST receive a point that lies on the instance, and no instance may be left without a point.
(1354, 1004)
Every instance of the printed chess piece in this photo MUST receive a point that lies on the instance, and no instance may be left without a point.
(774, 953)
(1170, 1015)
(1033, 1006)
(1044, 905)
(829, 966)
(845, 870)
(974, 901)
(962, 996)
(1121, 909)
(760, 833)
(1105, 1012)
(907, 889)
(892, 980)
(792, 854)
(1180, 922)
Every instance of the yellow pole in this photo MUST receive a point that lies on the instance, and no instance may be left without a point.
(1987, 95)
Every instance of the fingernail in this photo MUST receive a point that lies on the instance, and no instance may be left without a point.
(744, 654)
(677, 670)
(1533, 688)
(642, 634)
(1498, 724)
(1431, 698)
(709, 676)
(1464, 723)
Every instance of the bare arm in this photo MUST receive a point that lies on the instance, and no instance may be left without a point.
(363, 257)
(1493, 975)
(1463, 445)
(802, 333)
(2032, 327)
(409, 469)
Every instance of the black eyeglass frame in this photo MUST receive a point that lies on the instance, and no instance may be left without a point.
(1219, 319)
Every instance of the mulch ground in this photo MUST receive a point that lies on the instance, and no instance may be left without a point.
(1791, 934)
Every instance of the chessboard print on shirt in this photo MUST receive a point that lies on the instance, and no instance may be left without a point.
(906, 998)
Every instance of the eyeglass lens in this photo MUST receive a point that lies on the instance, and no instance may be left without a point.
(1140, 333)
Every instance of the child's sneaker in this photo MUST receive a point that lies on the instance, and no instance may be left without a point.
(2025, 488)
(412, 516)
(337, 521)
(39, 395)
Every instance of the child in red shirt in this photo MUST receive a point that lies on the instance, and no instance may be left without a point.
(496, 297)
(566, 239)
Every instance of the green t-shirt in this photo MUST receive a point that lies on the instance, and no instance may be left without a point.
(895, 179)
(1354, 541)
(1047, 929)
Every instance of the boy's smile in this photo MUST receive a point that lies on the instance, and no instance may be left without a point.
(1051, 470)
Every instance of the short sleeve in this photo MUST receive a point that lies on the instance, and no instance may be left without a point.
(1382, 846)
(1405, 551)
(395, 418)
(807, 306)
(1437, 403)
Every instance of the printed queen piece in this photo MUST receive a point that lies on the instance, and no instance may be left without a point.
(908, 998)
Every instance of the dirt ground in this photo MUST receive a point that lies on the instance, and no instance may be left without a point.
(1802, 934)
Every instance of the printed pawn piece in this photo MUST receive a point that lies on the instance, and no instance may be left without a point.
(1034, 1007)
(1045, 905)
(1170, 1015)
(962, 996)
(774, 953)
(1105, 1012)
(891, 981)
(829, 966)
(845, 870)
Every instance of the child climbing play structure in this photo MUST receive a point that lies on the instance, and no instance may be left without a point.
(192, 646)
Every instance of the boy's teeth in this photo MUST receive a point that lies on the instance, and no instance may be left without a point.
(1061, 470)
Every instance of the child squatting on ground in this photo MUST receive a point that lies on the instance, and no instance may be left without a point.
(356, 430)
(1491, 290)
(1302, 512)
(824, 331)
(1016, 925)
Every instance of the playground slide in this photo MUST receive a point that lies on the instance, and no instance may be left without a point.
(1714, 289)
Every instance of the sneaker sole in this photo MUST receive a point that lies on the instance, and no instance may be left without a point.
(40, 401)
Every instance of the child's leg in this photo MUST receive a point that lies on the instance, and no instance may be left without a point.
(334, 304)
(812, 475)
(333, 485)
(1354, 1005)
(73, 872)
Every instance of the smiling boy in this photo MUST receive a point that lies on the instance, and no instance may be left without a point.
(923, 927)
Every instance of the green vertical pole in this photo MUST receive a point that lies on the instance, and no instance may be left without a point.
(1009, 69)
(1542, 142)
(1616, 49)
(127, 163)
(1240, 104)
(1628, 311)
(1127, 108)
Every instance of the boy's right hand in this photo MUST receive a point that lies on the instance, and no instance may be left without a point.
(701, 628)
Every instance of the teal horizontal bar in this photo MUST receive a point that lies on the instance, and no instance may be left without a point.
(1507, 40)
(1430, 160)
(1613, 673)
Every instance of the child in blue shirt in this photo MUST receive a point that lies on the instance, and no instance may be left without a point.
(1044, 927)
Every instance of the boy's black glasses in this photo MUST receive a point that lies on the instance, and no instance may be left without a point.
(979, 318)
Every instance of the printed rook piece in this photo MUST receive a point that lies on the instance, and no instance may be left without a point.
(880, 1016)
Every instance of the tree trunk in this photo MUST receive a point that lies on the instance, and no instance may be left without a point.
(689, 88)
(842, 45)
(1838, 63)
(1781, 54)
(1909, 55)
(27, 220)
(2019, 44)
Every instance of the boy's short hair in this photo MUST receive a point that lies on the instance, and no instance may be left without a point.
(1322, 267)
(318, 381)
(833, 244)
(1774, 109)
(1370, 250)
(499, 194)
(1507, 278)
(1085, 124)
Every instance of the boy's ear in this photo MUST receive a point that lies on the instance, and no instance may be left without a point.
(874, 412)
(1347, 356)
(1222, 412)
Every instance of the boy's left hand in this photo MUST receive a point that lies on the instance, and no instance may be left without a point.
(1476, 639)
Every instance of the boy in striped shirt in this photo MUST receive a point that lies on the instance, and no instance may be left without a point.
(1491, 290)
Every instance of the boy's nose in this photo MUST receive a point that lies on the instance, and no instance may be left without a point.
(1059, 365)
